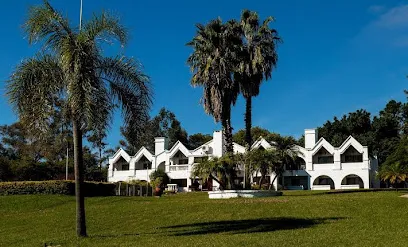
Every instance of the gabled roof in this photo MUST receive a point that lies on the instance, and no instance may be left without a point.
(261, 142)
(238, 148)
(205, 144)
(143, 152)
(120, 153)
(323, 143)
(350, 141)
(178, 146)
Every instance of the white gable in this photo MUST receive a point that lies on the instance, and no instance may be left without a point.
(143, 152)
(179, 147)
(261, 142)
(120, 153)
(350, 141)
(323, 143)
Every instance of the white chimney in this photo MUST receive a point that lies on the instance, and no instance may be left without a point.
(218, 143)
(310, 138)
(160, 144)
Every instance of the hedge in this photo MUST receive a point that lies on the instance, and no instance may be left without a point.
(61, 187)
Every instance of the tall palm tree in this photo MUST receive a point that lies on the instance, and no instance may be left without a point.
(213, 63)
(72, 67)
(258, 57)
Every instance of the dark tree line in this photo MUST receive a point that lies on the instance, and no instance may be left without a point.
(164, 124)
(381, 133)
(25, 156)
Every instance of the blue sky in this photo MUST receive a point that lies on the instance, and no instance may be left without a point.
(337, 56)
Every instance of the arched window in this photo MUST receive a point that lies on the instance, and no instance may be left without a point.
(323, 157)
(143, 163)
(324, 180)
(121, 165)
(351, 156)
(352, 179)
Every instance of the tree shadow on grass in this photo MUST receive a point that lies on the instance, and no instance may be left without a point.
(247, 226)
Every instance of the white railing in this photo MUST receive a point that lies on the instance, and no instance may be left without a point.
(172, 187)
(321, 187)
(174, 168)
(349, 186)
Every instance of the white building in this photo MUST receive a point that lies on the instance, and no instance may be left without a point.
(320, 166)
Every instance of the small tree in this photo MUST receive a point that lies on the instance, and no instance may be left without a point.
(222, 170)
(159, 179)
(264, 162)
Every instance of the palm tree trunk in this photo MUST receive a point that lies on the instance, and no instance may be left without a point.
(248, 122)
(79, 179)
(273, 181)
(229, 148)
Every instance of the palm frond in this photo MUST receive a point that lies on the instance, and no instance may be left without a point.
(130, 87)
(45, 23)
(104, 27)
(34, 87)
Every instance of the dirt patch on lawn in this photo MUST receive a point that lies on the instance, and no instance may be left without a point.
(406, 196)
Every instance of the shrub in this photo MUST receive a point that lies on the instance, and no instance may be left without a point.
(60, 187)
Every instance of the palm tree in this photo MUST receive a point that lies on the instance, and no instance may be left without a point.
(222, 170)
(72, 67)
(258, 57)
(287, 152)
(213, 62)
(264, 162)
(394, 173)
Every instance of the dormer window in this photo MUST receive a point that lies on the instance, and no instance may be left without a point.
(351, 156)
(323, 157)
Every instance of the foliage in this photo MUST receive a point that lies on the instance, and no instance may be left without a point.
(215, 48)
(159, 178)
(265, 162)
(222, 170)
(256, 132)
(257, 58)
(198, 139)
(381, 133)
(165, 124)
(72, 67)
(395, 168)
(55, 187)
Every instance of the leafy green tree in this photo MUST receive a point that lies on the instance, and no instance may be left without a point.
(258, 57)
(256, 132)
(395, 168)
(213, 63)
(72, 67)
(164, 124)
(264, 162)
(222, 170)
(198, 139)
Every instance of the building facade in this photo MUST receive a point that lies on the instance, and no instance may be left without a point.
(319, 165)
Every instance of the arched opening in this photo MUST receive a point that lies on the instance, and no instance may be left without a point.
(179, 159)
(324, 180)
(121, 165)
(298, 164)
(161, 166)
(353, 179)
(143, 164)
(351, 155)
(323, 157)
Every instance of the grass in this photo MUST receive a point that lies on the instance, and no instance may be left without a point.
(297, 218)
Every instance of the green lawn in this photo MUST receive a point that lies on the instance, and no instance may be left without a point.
(295, 219)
